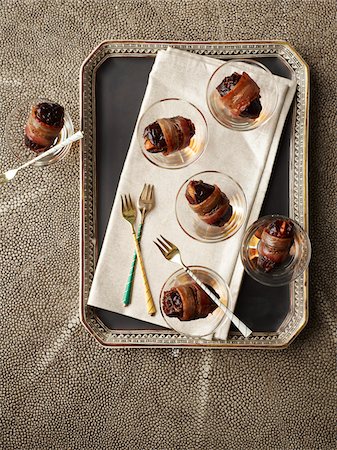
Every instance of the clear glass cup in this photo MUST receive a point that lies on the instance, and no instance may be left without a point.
(207, 325)
(168, 108)
(268, 94)
(15, 131)
(256, 247)
(196, 228)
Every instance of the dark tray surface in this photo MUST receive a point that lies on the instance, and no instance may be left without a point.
(120, 87)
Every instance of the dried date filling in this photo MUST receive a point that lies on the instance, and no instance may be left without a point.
(172, 304)
(154, 134)
(281, 229)
(201, 192)
(50, 113)
(228, 83)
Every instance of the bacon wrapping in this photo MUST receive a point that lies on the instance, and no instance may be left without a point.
(276, 241)
(209, 202)
(240, 95)
(44, 124)
(168, 135)
(188, 302)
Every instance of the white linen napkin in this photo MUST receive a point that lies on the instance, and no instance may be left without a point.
(246, 156)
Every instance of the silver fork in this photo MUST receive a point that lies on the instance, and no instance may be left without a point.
(172, 253)
(145, 204)
(10, 174)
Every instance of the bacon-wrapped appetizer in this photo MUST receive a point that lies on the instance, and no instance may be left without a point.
(276, 241)
(240, 95)
(188, 302)
(209, 202)
(168, 135)
(44, 124)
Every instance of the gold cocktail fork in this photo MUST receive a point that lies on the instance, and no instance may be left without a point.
(130, 213)
(145, 204)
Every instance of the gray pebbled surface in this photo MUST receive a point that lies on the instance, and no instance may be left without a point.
(61, 390)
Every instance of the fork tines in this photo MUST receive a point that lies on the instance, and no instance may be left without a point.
(126, 202)
(147, 191)
(164, 245)
(161, 249)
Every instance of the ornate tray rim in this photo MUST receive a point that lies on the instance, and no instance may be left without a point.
(298, 192)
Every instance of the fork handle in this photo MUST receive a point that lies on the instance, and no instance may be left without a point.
(151, 308)
(237, 322)
(73, 138)
(128, 287)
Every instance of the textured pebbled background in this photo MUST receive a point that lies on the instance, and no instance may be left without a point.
(59, 389)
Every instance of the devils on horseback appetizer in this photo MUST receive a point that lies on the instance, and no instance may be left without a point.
(188, 302)
(209, 202)
(168, 135)
(44, 124)
(240, 95)
(274, 246)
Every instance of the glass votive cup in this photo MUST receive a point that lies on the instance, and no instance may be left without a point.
(268, 94)
(194, 226)
(169, 108)
(204, 326)
(275, 250)
(15, 134)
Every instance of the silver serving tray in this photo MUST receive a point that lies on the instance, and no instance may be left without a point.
(91, 230)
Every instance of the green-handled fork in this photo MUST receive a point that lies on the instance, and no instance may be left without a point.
(129, 213)
(171, 253)
(145, 204)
